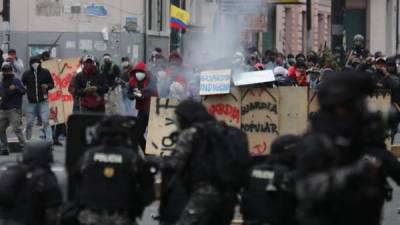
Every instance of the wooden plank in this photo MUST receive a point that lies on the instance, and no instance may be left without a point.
(395, 149)
(293, 110)
(161, 125)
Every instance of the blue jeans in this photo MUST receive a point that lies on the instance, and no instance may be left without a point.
(36, 110)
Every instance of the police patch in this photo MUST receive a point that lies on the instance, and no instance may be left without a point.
(109, 172)
(263, 174)
(107, 158)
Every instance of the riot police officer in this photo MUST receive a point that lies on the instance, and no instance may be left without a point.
(334, 175)
(114, 186)
(270, 197)
(200, 164)
(32, 188)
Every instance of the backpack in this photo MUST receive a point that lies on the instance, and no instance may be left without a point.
(11, 182)
(228, 147)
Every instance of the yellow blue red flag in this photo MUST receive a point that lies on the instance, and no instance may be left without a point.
(179, 18)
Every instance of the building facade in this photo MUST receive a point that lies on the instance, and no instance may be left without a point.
(291, 30)
(382, 31)
(376, 20)
(72, 28)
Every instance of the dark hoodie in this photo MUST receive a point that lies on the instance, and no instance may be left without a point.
(34, 81)
(94, 100)
(11, 99)
(147, 86)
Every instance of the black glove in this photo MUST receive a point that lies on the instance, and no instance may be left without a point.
(154, 161)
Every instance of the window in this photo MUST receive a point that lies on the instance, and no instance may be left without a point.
(158, 16)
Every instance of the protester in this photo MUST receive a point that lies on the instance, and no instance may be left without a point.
(175, 70)
(281, 77)
(111, 72)
(16, 63)
(269, 59)
(71, 88)
(30, 191)
(292, 69)
(142, 86)
(312, 60)
(280, 59)
(90, 87)
(45, 56)
(114, 185)
(1, 57)
(127, 106)
(390, 81)
(290, 61)
(301, 74)
(253, 61)
(158, 68)
(38, 82)
(157, 60)
(57, 129)
(11, 93)
(358, 51)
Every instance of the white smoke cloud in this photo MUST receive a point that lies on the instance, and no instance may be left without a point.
(218, 29)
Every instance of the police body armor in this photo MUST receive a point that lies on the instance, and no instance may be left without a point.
(270, 198)
(108, 179)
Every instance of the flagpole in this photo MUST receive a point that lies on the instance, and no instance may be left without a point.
(180, 34)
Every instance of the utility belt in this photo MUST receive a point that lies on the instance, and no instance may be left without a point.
(9, 222)
(255, 222)
(107, 211)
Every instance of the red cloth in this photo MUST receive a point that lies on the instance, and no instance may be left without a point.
(292, 71)
(302, 80)
(144, 103)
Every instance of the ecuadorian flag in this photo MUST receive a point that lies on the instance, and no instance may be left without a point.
(179, 18)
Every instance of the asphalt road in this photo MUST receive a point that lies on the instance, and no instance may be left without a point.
(390, 215)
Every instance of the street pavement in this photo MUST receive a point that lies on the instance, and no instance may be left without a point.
(390, 215)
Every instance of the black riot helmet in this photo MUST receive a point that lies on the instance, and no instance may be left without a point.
(38, 153)
(347, 90)
(189, 112)
(113, 126)
(283, 150)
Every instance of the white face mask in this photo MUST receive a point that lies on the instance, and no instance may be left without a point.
(35, 66)
(125, 64)
(140, 76)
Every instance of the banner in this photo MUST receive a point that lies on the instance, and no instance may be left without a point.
(253, 77)
(161, 126)
(260, 118)
(60, 100)
(215, 82)
(225, 107)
